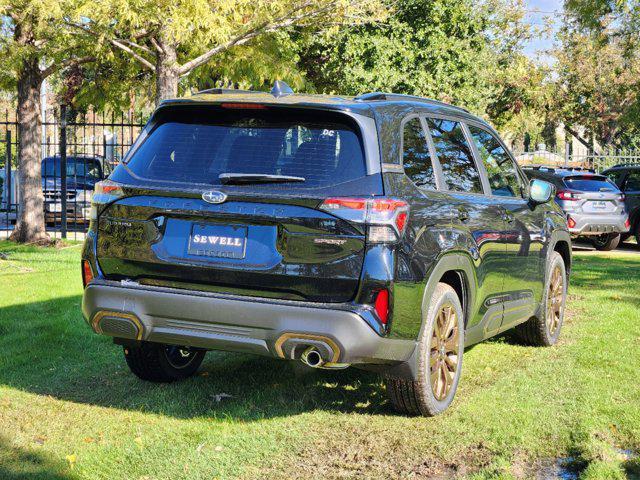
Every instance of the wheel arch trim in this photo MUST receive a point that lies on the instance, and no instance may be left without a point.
(451, 262)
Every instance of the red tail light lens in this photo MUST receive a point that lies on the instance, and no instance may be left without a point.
(386, 217)
(567, 195)
(571, 222)
(108, 187)
(382, 306)
(627, 224)
(87, 273)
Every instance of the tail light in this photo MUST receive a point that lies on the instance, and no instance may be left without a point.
(104, 192)
(87, 273)
(108, 187)
(381, 306)
(386, 218)
(568, 195)
(622, 197)
(627, 224)
(571, 222)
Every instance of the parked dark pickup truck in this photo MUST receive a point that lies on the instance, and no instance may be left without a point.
(82, 174)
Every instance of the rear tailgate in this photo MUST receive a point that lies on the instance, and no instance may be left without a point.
(596, 194)
(265, 240)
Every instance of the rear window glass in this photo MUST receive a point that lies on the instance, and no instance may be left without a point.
(197, 145)
(590, 183)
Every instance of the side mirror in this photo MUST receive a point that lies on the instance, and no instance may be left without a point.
(540, 191)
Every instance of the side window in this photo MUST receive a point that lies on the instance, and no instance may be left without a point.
(415, 155)
(502, 173)
(632, 184)
(454, 153)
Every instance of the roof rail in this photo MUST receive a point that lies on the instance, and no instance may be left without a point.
(226, 91)
(626, 165)
(541, 167)
(372, 96)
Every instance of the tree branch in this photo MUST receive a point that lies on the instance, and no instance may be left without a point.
(118, 44)
(277, 24)
(54, 67)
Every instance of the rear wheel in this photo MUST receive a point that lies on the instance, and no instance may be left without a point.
(606, 242)
(544, 330)
(440, 350)
(157, 362)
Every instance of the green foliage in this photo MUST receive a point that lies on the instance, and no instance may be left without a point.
(464, 52)
(598, 69)
(210, 42)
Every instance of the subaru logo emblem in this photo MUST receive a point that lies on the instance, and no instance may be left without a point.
(214, 196)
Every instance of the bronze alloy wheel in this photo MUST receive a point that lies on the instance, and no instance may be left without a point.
(554, 300)
(443, 354)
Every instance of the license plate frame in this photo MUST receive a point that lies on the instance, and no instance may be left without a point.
(217, 241)
(599, 204)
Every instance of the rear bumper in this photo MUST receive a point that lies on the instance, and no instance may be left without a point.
(239, 324)
(598, 224)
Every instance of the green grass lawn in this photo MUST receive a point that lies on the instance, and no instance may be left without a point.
(69, 408)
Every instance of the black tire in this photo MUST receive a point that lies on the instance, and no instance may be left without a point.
(606, 242)
(156, 362)
(417, 397)
(537, 330)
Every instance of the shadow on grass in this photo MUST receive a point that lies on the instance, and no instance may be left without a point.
(19, 464)
(48, 349)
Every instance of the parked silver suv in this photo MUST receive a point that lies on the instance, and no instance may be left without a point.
(594, 205)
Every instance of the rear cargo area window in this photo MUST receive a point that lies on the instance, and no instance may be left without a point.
(195, 145)
(590, 183)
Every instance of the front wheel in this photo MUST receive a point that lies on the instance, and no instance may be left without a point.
(156, 362)
(440, 350)
(606, 242)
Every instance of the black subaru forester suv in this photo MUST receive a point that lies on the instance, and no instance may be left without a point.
(386, 232)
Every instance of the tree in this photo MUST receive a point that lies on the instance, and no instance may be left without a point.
(172, 38)
(33, 46)
(446, 50)
(598, 70)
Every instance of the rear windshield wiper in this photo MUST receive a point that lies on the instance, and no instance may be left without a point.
(241, 178)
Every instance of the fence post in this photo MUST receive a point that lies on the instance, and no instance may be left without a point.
(63, 169)
(7, 166)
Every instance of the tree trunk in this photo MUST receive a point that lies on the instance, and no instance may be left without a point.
(166, 72)
(30, 227)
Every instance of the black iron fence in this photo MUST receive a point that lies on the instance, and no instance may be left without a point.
(76, 153)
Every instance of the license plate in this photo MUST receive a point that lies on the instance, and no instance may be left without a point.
(599, 205)
(223, 241)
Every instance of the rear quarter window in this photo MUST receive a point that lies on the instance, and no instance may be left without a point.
(195, 145)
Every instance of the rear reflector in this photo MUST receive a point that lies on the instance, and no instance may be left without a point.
(382, 306)
(386, 217)
(87, 273)
(571, 222)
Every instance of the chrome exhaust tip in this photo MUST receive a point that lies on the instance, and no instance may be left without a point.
(312, 358)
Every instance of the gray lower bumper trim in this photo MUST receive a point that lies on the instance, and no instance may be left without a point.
(240, 325)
